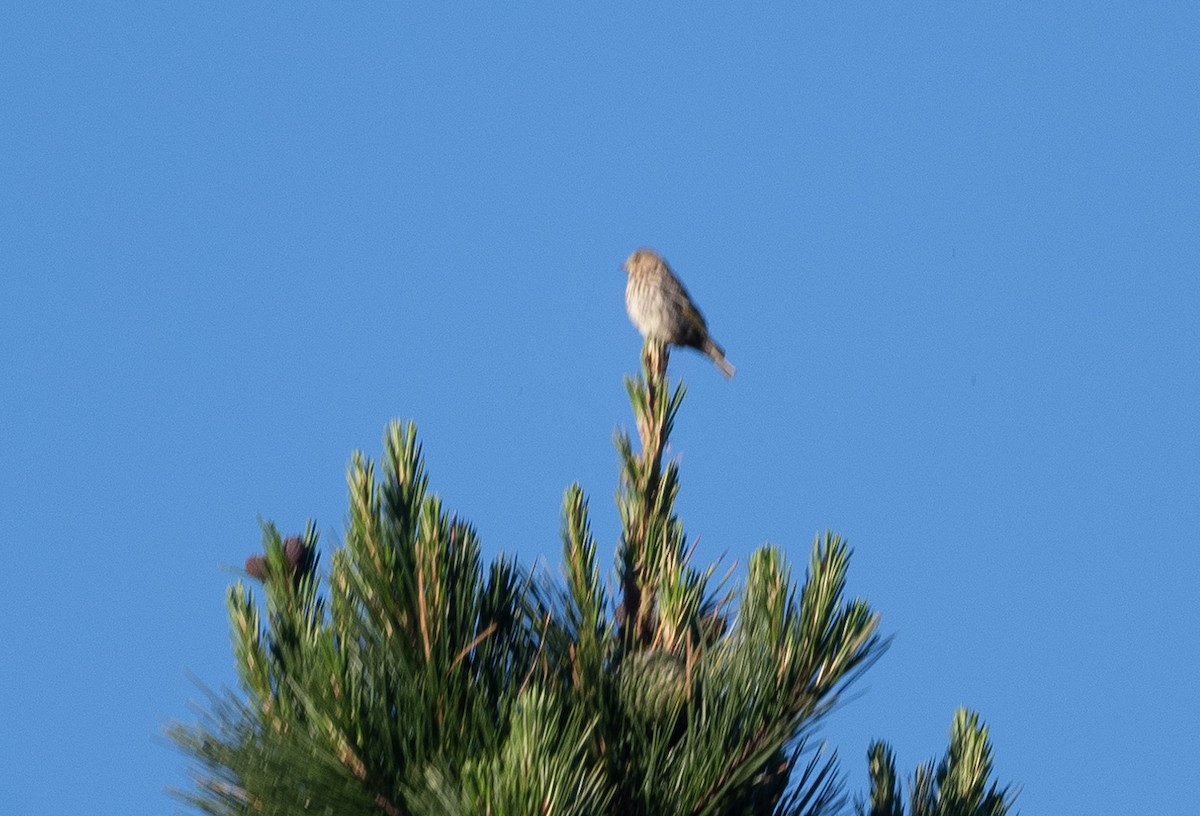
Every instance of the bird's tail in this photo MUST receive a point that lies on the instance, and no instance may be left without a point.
(718, 356)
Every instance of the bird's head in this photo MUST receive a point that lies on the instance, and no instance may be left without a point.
(640, 259)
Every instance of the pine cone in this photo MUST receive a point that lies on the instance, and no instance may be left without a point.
(654, 685)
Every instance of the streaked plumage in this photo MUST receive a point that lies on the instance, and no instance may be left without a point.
(661, 308)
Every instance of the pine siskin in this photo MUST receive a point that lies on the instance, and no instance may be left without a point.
(661, 309)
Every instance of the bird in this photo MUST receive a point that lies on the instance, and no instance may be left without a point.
(661, 309)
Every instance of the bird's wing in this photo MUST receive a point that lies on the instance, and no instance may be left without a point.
(692, 315)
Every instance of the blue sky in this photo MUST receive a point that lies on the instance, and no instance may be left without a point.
(952, 249)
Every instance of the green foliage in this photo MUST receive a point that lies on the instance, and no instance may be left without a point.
(958, 786)
(417, 680)
(543, 766)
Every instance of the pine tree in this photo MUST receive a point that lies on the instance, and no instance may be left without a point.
(415, 680)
